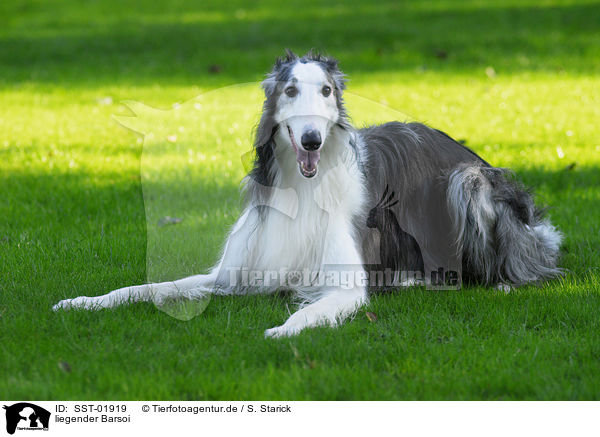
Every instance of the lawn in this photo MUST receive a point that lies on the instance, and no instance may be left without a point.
(518, 81)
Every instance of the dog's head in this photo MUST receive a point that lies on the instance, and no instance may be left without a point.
(303, 102)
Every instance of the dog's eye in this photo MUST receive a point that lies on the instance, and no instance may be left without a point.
(326, 90)
(291, 91)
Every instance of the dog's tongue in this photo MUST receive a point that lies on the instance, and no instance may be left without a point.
(308, 160)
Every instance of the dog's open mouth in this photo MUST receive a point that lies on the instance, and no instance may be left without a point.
(307, 160)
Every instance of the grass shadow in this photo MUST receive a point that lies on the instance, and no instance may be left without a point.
(214, 44)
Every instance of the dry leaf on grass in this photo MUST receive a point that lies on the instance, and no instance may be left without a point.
(371, 316)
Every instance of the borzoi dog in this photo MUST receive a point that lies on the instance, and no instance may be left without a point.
(325, 201)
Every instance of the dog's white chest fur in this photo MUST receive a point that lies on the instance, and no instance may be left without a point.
(301, 236)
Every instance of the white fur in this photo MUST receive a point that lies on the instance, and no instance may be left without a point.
(549, 235)
(308, 224)
(309, 109)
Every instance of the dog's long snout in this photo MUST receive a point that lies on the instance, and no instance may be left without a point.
(311, 140)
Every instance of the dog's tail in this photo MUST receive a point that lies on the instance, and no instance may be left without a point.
(502, 235)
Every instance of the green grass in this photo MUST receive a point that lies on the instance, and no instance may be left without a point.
(518, 80)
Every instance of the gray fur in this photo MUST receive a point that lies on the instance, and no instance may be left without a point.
(503, 236)
(461, 211)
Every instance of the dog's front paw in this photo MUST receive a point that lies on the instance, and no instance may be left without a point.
(83, 302)
(281, 331)
(305, 318)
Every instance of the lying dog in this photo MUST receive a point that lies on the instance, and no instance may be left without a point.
(389, 205)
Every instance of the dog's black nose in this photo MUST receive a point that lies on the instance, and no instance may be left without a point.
(311, 140)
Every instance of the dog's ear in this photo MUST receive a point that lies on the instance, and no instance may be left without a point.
(337, 75)
(290, 55)
(331, 63)
(339, 79)
(332, 66)
(270, 82)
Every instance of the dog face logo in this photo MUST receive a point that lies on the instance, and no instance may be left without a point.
(26, 416)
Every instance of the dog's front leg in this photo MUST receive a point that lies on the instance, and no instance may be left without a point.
(331, 309)
(343, 264)
(192, 287)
